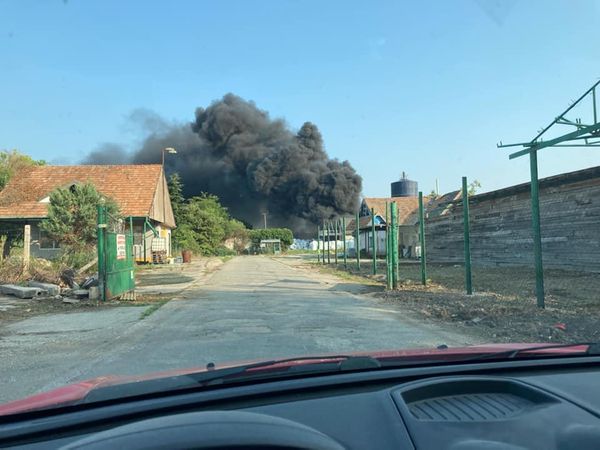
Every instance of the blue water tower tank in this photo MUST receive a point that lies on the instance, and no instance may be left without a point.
(405, 187)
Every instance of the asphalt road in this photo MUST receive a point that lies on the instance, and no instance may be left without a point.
(253, 307)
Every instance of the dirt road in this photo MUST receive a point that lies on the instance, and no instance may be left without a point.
(253, 307)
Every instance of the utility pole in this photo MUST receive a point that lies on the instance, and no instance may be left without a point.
(265, 219)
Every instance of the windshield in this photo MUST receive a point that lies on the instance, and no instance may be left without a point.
(187, 186)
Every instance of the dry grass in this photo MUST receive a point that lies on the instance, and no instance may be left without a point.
(503, 307)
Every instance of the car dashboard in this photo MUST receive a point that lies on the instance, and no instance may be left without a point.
(511, 405)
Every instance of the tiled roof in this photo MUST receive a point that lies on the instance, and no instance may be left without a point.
(440, 206)
(408, 207)
(131, 186)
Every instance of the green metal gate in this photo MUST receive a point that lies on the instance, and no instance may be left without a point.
(116, 263)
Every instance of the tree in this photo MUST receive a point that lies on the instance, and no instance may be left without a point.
(237, 231)
(176, 195)
(203, 224)
(72, 215)
(284, 234)
(473, 187)
(11, 162)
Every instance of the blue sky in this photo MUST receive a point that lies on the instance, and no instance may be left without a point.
(426, 87)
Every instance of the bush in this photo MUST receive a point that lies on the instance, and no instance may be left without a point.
(284, 234)
(73, 213)
(224, 251)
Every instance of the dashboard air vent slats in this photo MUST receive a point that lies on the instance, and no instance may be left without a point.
(469, 407)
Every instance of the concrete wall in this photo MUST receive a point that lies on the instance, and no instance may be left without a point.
(501, 225)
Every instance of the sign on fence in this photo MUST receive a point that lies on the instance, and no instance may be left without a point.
(121, 247)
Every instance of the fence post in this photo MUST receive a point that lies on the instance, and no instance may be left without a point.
(335, 249)
(465, 200)
(537, 233)
(373, 243)
(318, 244)
(394, 244)
(328, 243)
(323, 248)
(388, 255)
(357, 243)
(344, 238)
(101, 223)
(422, 236)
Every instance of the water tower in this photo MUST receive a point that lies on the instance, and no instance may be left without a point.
(405, 187)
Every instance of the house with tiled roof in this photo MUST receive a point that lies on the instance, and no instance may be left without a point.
(140, 191)
(408, 220)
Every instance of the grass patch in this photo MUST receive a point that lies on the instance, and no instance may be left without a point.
(226, 258)
(152, 309)
(345, 275)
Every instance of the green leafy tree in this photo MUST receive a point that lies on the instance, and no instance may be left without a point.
(72, 215)
(284, 234)
(176, 195)
(237, 231)
(203, 225)
(473, 187)
(11, 162)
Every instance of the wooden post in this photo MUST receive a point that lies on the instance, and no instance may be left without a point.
(26, 247)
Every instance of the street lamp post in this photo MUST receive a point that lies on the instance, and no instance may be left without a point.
(172, 151)
(167, 150)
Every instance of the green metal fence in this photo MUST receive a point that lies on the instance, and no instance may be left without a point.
(116, 263)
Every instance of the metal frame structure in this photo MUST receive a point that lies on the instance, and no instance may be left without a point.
(584, 135)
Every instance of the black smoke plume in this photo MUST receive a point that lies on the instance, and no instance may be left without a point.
(255, 164)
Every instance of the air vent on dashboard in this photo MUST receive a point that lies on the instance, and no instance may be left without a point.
(469, 407)
(468, 399)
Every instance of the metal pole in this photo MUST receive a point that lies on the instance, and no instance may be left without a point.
(323, 249)
(344, 238)
(465, 200)
(394, 245)
(373, 244)
(537, 233)
(422, 236)
(335, 245)
(388, 266)
(328, 244)
(101, 226)
(318, 244)
(144, 239)
(357, 243)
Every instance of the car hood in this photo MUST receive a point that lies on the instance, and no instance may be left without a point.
(76, 392)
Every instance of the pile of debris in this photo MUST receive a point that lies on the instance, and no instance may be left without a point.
(69, 290)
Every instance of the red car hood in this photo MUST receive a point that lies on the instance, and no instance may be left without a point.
(75, 392)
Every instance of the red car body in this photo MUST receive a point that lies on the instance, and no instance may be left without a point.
(73, 393)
